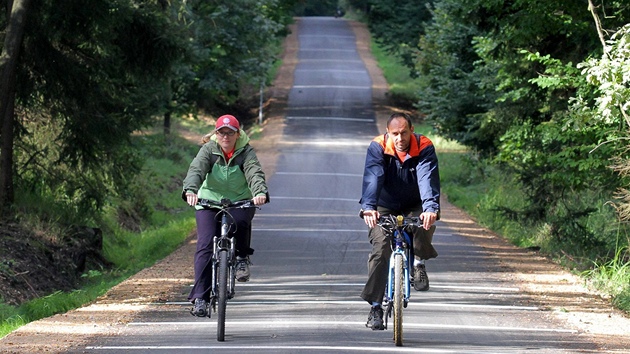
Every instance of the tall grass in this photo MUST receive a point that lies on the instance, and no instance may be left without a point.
(403, 90)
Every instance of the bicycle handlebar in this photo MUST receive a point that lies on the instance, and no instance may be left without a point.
(225, 204)
(391, 221)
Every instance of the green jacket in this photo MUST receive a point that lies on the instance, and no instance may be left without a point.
(225, 179)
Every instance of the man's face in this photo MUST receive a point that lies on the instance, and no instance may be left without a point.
(401, 132)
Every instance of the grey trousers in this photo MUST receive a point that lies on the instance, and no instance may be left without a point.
(378, 259)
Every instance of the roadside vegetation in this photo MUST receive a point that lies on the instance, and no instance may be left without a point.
(531, 126)
(132, 245)
(90, 169)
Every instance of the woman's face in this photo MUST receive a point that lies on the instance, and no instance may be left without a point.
(226, 138)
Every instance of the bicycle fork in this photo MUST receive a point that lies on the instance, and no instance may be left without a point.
(221, 244)
(389, 292)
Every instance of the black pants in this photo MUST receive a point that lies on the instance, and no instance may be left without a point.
(208, 226)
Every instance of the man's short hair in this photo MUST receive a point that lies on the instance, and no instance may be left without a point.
(397, 115)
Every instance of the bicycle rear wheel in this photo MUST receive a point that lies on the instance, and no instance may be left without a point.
(398, 299)
(222, 294)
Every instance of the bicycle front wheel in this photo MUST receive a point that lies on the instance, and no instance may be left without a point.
(222, 294)
(398, 299)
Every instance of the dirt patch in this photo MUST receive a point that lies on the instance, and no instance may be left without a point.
(548, 285)
(33, 265)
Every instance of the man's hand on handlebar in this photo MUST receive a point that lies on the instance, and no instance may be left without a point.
(191, 198)
(428, 218)
(259, 200)
(371, 217)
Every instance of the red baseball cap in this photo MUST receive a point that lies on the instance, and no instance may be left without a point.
(228, 121)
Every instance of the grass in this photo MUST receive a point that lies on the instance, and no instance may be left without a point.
(167, 224)
(403, 90)
(14, 317)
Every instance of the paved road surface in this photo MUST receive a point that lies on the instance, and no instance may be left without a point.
(311, 248)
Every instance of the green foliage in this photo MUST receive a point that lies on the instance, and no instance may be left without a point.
(403, 88)
(397, 26)
(613, 276)
(555, 166)
(315, 8)
(234, 47)
(448, 83)
(611, 76)
(512, 81)
(89, 77)
(161, 222)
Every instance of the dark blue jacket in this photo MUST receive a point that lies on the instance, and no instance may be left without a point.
(397, 185)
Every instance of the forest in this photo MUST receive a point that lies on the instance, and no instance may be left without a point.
(537, 91)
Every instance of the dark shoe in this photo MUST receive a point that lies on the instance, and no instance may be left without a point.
(420, 278)
(375, 319)
(200, 308)
(242, 269)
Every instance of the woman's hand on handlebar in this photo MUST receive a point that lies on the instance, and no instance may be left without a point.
(371, 217)
(191, 198)
(259, 200)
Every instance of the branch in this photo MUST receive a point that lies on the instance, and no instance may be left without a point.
(598, 25)
(606, 142)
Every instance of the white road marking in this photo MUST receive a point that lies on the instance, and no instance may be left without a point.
(322, 199)
(287, 323)
(332, 86)
(369, 120)
(321, 174)
(328, 50)
(332, 70)
(363, 303)
(325, 36)
(325, 144)
(343, 61)
(433, 285)
(297, 348)
(307, 230)
(437, 286)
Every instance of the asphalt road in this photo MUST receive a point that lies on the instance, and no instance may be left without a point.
(311, 248)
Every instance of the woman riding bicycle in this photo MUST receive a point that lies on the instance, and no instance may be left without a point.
(226, 166)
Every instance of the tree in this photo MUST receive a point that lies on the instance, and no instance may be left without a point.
(398, 25)
(18, 11)
(231, 48)
(87, 78)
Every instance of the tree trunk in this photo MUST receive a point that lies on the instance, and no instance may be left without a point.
(167, 123)
(8, 65)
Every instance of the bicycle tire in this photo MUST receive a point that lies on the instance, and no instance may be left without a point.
(222, 294)
(398, 299)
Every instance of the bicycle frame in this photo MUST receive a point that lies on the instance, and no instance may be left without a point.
(398, 287)
(223, 260)
(401, 243)
(224, 242)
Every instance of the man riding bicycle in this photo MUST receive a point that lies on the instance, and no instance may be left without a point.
(401, 177)
(226, 166)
